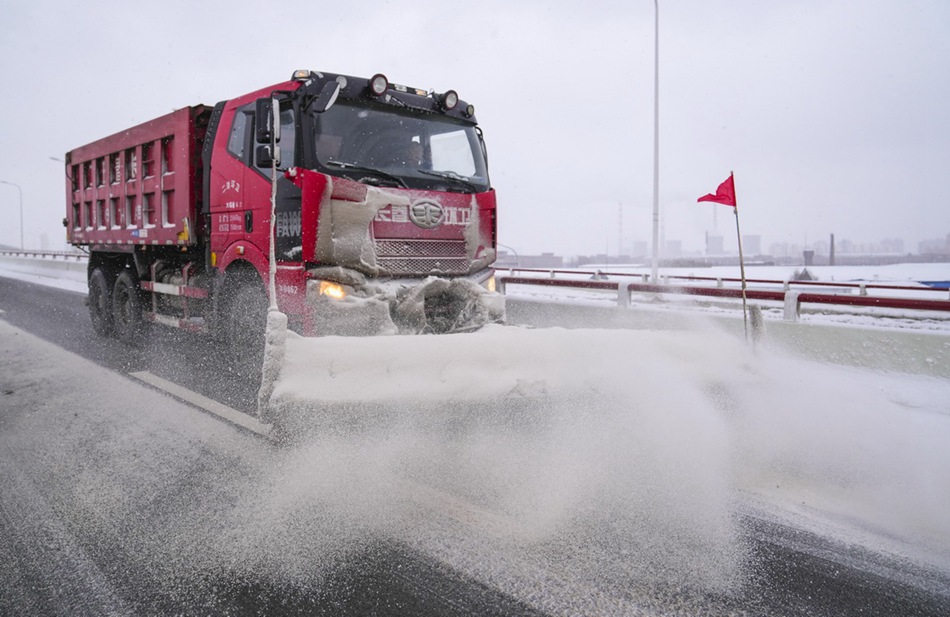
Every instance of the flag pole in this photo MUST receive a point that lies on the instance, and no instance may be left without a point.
(745, 319)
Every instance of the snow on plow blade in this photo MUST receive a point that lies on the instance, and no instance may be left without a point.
(507, 373)
(338, 383)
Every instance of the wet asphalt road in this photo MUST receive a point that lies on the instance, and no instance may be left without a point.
(53, 563)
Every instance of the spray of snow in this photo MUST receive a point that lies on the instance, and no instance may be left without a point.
(619, 455)
(566, 435)
(864, 449)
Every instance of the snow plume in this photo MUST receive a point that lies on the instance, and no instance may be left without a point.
(850, 451)
(599, 447)
(618, 455)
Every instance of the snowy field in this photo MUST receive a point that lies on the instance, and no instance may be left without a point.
(898, 274)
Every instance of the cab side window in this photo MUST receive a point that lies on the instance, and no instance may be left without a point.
(241, 139)
(240, 132)
(288, 137)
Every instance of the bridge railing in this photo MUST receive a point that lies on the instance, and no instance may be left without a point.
(52, 255)
(46, 265)
(789, 293)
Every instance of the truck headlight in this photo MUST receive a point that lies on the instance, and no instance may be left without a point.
(378, 84)
(332, 290)
(449, 100)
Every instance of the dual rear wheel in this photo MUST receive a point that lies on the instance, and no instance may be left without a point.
(116, 308)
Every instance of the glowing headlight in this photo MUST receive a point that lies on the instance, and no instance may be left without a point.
(490, 284)
(378, 84)
(332, 290)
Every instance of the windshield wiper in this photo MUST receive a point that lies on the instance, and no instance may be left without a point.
(452, 176)
(369, 170)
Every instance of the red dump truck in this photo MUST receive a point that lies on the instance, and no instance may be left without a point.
(376, 195)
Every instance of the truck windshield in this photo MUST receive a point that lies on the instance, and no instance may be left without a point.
(423, 151)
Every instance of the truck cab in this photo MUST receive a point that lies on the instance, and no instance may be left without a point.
(376, 191)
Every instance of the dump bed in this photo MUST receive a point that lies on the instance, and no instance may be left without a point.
(139, 186)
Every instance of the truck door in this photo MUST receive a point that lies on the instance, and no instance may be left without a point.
(287, 229)
(229, 202)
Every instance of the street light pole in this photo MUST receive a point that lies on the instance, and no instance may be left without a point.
(517, 257)
(20, 191)
(656, 143)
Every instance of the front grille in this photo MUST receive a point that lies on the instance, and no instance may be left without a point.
(407, 257)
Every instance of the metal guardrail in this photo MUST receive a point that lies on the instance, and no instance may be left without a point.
(789, 293)
(792, 299)
(53, 255)
(67, 268)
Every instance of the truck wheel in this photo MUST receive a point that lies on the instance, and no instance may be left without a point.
(127, 309)
(100, 303)
(245, 322)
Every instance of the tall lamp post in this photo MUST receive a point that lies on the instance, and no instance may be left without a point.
(656, 143)
(20, 191)
(517, 258)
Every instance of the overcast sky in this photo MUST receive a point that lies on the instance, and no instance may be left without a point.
(834, 115)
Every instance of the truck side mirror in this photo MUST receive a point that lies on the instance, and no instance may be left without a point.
(264, 120)
(264, 158)
(327, 96)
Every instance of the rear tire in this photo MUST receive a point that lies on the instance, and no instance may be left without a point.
(100, 303)
(127, 309)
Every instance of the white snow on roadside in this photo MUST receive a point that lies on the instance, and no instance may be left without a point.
(58, 276)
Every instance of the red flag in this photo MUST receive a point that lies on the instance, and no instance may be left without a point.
(725, 194)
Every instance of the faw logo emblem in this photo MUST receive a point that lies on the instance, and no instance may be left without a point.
(424, 213)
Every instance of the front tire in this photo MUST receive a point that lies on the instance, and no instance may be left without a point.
(100, 303)
(127, 309)
(246, 321)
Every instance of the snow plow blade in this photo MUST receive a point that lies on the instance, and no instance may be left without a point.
(339, 384)
(496, 374)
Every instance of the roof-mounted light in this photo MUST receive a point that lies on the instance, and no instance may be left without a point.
(449, 100)
(300, 75)
(378, 84)
(469, 110)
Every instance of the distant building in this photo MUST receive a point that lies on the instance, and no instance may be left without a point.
(935, 247)
(544, 260)
(714, 244)
(640, 248)
(892, 245)
(752, 245)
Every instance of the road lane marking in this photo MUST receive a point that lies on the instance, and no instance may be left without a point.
(203, 402)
